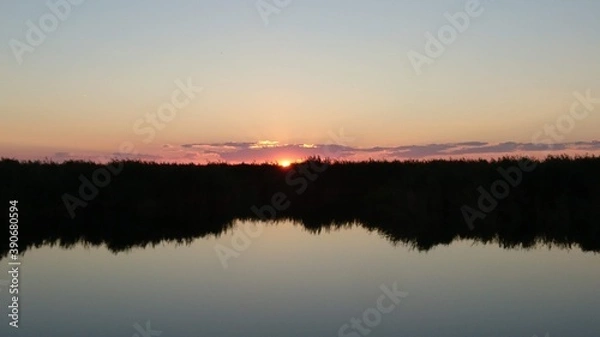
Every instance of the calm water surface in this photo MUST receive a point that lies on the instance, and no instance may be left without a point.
(290, 282)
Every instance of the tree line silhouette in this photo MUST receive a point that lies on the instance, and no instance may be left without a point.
(417, 203)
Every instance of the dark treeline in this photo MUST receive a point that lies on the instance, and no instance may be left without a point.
(130, 203)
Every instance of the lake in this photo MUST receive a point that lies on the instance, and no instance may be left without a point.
(284, 280)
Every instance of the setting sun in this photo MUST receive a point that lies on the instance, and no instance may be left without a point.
(284, 163)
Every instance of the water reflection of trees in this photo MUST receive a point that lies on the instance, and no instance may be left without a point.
(413, 203)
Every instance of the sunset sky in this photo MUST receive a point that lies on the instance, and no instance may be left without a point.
(282, 79)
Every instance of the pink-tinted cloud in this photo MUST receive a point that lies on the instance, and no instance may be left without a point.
(273, 151)
(252, 152)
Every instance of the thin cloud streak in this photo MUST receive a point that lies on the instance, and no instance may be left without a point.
(252, 152)
(273, 151)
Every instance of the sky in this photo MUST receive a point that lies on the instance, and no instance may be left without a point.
(274, 80)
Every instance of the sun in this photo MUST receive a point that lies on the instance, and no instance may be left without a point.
(285, 163)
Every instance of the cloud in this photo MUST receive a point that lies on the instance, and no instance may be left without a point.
(269, 151)
(63, 155)
(507, 147)
(420, 151)
(136, 156)
(272, 150)
(471, 144)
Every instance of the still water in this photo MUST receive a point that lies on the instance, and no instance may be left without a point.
(287, 281)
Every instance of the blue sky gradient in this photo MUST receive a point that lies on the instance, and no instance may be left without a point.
(317, 66)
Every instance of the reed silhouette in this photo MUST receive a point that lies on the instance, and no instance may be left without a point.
(416, 203)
